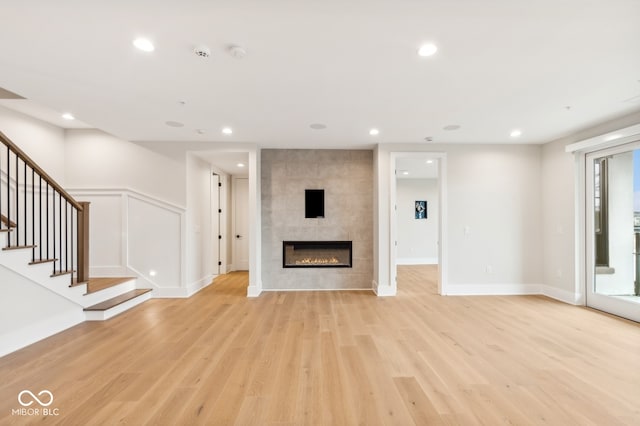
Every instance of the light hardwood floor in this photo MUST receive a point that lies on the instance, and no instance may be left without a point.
(336, 358)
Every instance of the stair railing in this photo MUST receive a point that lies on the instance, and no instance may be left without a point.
(37, 213)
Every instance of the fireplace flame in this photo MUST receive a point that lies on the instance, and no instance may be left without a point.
(318, 261)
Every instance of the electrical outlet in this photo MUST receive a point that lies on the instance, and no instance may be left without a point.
(489, 269)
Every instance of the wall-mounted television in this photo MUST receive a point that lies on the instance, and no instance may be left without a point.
(313, 203)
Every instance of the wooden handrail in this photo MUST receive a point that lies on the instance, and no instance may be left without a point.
(32, 164)
(56, 230)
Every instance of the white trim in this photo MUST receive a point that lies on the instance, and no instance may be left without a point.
(19, 338)
(561, 295)
(384, 290)
(170, 293)
(202, 283)
(315, 289)
(417, 261)
(442, 225)
(506, 289)
(132, 192)
(254, 290)
(627, 134)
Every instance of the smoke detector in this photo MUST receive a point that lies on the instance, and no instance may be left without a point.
(237, 52)
(202, 51)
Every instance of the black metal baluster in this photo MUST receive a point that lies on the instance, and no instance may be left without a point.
(24, 198)
(8, 195)
(33, 214)
(40, 217)
(66, 233)
(18, 225)
(60, 228)
(72, 237)
(53, 225)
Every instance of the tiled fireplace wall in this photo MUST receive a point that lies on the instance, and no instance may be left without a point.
(347, 179)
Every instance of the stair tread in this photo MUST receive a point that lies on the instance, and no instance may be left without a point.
(60, 273)
(39, 261)
(19, 247)
(101, 283)
(118, 300)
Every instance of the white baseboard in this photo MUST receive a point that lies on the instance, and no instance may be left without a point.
(384, 290)
(253, 291)
(195, 287)
(170, 293)
(561, 295)
(22, 337)
(317, 289)
(417, 261)
(490, 289)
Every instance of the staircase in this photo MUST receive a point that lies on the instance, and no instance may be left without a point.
(44, 235)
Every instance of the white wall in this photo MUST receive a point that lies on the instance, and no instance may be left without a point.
(95, 159)
(29, 312)
(41, 141)
(564, 277)
(494, 192)
(134, 234)
(417, 238)
(199, 215)
(558, 220)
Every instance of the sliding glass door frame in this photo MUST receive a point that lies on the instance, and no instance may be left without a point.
(614, 305)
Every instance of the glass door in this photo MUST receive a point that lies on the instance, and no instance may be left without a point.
(613, 231)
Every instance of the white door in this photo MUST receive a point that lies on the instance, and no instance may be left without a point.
(613, 230)
(241, 224)
(215, 223)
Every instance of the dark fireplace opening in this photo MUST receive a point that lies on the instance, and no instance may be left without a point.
(316, 254)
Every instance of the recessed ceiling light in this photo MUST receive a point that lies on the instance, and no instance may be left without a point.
(404, 172)
(200, 131)
(374, 132)
(516, 133)
(144, 44)
(174, 124)
(427, 49)
(318, 126)
(429, 161)
(240, 164)
(227, 130)
(451, 127)
(68, 116)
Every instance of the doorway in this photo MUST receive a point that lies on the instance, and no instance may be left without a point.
(613, 230)
(418, 212)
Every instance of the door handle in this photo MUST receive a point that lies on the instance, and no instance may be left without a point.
(238, 236)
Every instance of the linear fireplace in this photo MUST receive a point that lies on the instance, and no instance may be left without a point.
(316, 254)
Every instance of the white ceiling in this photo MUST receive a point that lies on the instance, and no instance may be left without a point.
(417, 167)
(351, 65)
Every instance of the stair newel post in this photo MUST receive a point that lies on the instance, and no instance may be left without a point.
(83, 243)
